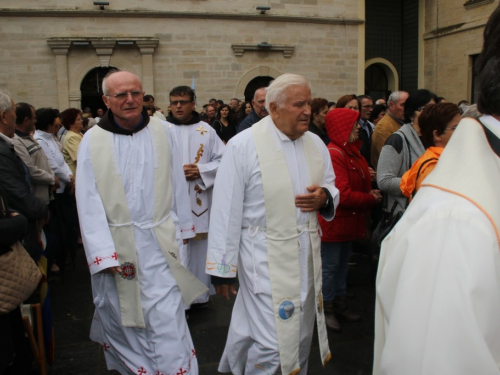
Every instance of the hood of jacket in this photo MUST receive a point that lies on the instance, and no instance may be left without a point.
(339, 123)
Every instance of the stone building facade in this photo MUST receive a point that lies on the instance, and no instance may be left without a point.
(49, 47)
(453, 37)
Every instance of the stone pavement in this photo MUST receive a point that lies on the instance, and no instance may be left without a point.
(75, 354)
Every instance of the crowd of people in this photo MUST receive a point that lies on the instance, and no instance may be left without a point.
(174, 207)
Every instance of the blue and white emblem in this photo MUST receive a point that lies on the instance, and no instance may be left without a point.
(286, 309)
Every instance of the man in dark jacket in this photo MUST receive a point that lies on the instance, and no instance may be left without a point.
(16, 188)
(259, 110)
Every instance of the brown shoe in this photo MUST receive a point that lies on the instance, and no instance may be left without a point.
(343, 311)
(330, 318)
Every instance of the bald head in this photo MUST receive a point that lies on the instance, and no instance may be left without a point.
(123, 95)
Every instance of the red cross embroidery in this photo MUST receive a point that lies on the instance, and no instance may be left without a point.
(158, 372)
(192, 351)
(114, 256)
(141, 371)
(97, 260)
(105, 346)
(181, 371)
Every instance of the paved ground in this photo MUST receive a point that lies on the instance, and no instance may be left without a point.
(75, 354)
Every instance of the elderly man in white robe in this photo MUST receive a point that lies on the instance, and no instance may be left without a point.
(438, 283)
(131, 193)
(272, 181)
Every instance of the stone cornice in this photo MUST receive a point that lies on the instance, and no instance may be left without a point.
(239, 49)
(190, 15)
(453, 30)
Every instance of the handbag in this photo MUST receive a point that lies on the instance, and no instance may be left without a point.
(19, 276)
(387, 221)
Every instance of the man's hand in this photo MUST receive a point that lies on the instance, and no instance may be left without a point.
(377, 195)
(57, 184)
(185, 241)
(223, 290)
(71, 184)
(191, 171)
(313, 201)
(112, 270)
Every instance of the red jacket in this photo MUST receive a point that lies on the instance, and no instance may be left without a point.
(352, 179)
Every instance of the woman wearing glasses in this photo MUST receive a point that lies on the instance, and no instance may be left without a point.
(402, 149)
(437, 125)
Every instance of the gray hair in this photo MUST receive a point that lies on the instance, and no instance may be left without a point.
(395, 96)
(5, 101)
(276, 90)
(472, 112)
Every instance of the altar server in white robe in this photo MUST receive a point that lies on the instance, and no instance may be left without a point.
(201, 153)
(273, 180)
(438, 283)
(130, 193)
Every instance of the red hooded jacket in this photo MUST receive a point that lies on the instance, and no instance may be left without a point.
(352, 179)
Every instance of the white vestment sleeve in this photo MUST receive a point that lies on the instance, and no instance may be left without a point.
(227, 213)
(208, 170)
(181, 202)
(97, 240)
(438, 291)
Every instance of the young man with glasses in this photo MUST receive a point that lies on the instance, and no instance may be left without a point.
(201, 150)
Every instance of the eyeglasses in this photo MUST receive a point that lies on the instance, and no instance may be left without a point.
(367, 106)
(181, 102)
(124, 95)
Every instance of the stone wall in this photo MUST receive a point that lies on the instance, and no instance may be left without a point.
(453, 34)
(325, 52)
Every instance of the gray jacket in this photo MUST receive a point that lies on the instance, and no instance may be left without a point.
(399, 153)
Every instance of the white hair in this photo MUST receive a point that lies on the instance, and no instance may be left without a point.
(395, 96)
(276, 90)
(5, 101)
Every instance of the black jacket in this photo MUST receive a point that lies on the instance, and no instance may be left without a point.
(251, 119)
(16, 190)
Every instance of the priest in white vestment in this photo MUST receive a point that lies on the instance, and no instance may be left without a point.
(438, 282)
(272, 181)
(201, 151)
(131, 196)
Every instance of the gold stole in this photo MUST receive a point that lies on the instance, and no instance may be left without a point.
(110, 188)
(283, 246)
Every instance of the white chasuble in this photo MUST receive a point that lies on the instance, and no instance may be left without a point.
(240, 245)
(200, 145)
(282, 234)
(438, 280)
(111, 189)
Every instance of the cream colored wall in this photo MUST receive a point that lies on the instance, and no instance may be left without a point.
(326, 54)
(317, 8)
(452, 34)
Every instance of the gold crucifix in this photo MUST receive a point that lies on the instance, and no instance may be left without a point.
(201, 129)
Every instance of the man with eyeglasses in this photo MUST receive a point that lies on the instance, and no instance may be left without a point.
(130, 193)
(201, 153)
